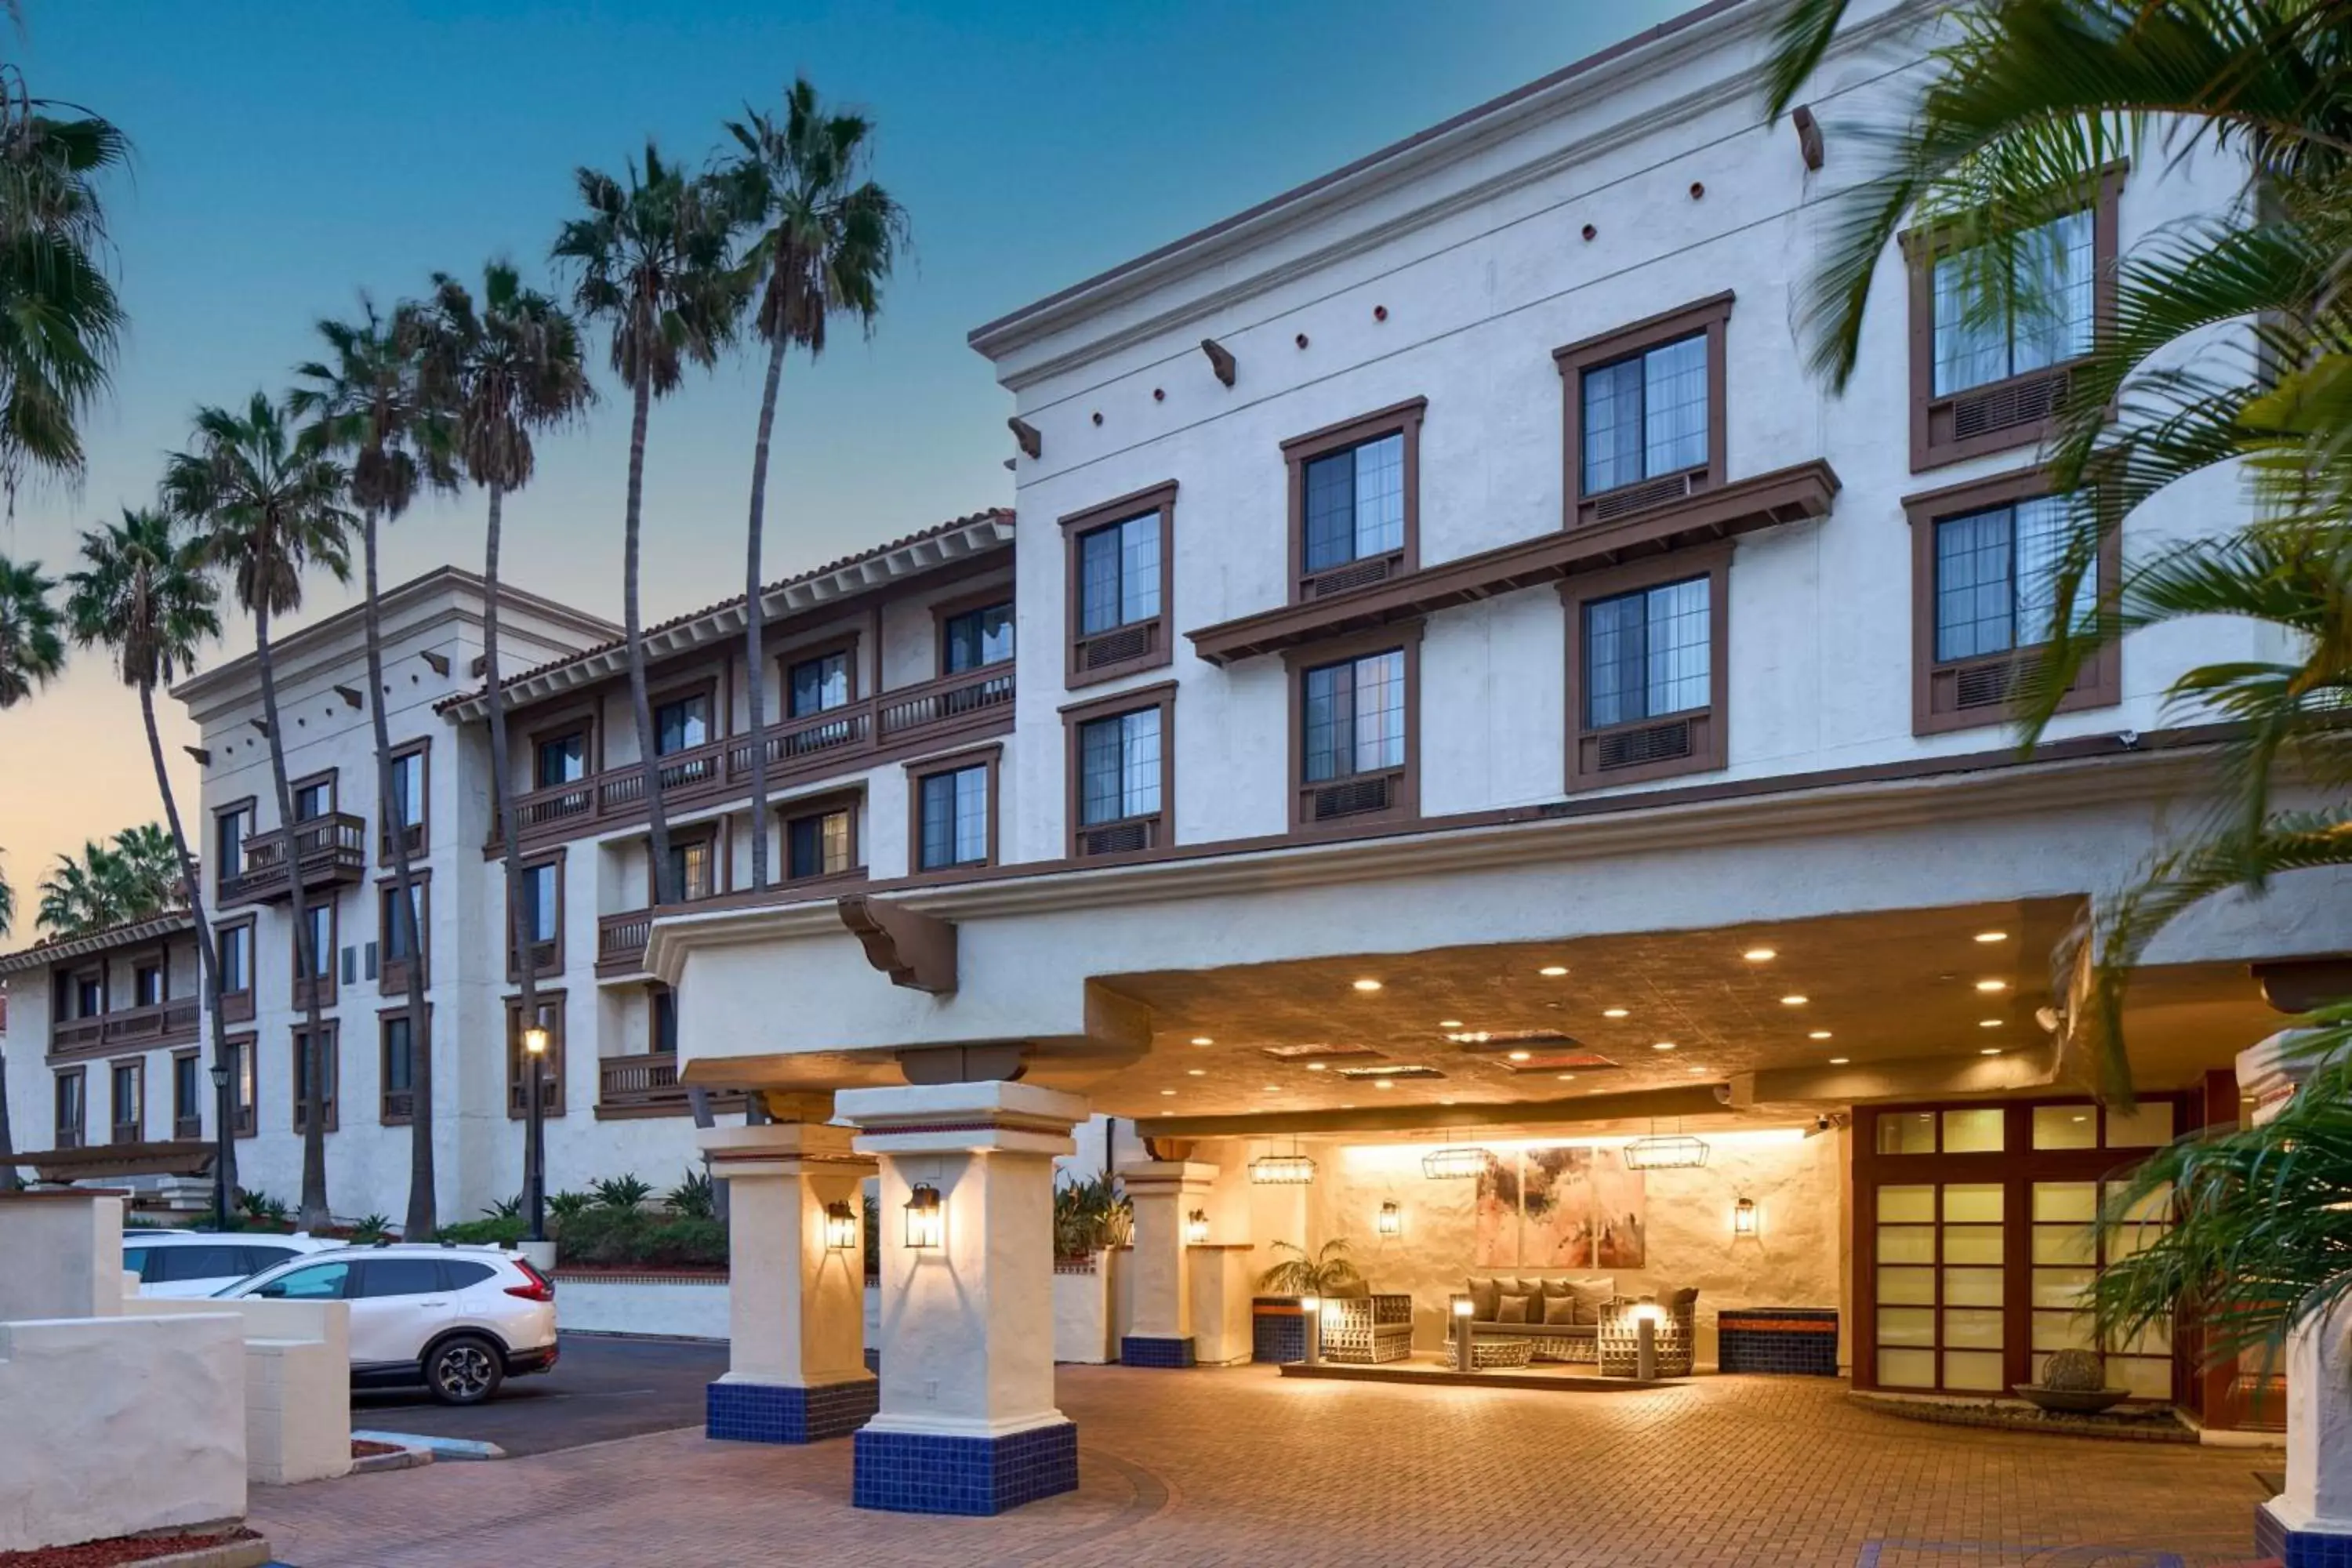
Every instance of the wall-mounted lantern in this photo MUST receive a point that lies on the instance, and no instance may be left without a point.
(1391, 1220)
(925, 1218)
(1743, 1216)
(840, 1226)
(1196, 1228)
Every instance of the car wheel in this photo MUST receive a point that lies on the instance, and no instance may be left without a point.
(464, 1370)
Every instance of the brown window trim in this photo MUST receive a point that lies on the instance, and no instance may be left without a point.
(114, 1123)
(159, 959)
(328, 985)
(990, 756)
(388, 1112)
(550, 1004)
(1712, 316)
(249, 807)
(391, 974)
(420, 837)
(243, 1107)
(1933, 443)
(844, 640)
(787, 812)
(236, 1006)
(332, 777)
(679, 688)
(580, 721)
(707, 831)
(654, 990)
(1705, 731)
(1398, 418)
(1133, 838)
(330, 1058)
(1126, 649)
(550, 954)
(71, 1137)
(1404, 791)
(945, 610)
(1936, 686)
(191, 1125)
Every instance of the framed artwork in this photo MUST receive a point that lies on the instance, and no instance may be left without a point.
(1560, 1208)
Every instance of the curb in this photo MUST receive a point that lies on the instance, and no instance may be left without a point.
(432, 1447)
(405, 1459)
(250, 1553)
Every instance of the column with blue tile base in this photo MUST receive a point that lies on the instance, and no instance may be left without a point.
(796, 1301)
(1160, 1276)
(967, 1423)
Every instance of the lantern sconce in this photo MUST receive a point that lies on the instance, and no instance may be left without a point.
(1196, 1228)
(840, 1228)
(1392, 1219)
(1743, 1216)
(923, 1216)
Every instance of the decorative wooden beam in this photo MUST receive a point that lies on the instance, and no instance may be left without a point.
(439, 661)
(1221, 359)
(349, 697)
(1027, 435)
(261, 725)
(203, 755)
(481, 665)
(916, 950)
(1808, 134)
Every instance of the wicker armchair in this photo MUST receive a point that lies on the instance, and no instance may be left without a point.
(1366, 1329)
(1620, 1337)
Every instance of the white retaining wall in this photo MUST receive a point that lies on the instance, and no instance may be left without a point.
(670, 1308)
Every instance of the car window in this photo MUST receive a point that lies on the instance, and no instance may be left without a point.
(135, 1261)
(257, 1258)
(461, 1275)
(399, 1277)
(319, 1282)
(210, 1261)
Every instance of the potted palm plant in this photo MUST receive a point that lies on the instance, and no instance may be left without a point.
(1090, 1220)
(1323, 1272)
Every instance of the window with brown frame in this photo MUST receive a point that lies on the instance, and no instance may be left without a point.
(542, 903)
(661, 1016)
(1121, 565)
(1355, 501)
(1985, 559)
(951, 808)
(549, 1005)
(1355, 729)
(233, 951)
(392, 972)
(70, 1118)
(396, 1053)
(325, 926)
(330, 1077)
(1982, 386)
(820, 677)
(409, 811)
(1647, 652)
(694, 863)
(820, 837)
(244, 1083)
(1121, 765)
(314, 796)
(189, 1083)
(1645, 413)
(974, 631)
(232, 825)
(563, 754)
(127, 1085)
(685, 718)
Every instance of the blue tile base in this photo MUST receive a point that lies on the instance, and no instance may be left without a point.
(922, 1472)
(1277, 1337)
(778, 1413)
(1793, 1340)
(1140, 1350)
(2299, 1548)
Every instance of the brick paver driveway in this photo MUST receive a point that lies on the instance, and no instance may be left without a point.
(1240, 1468)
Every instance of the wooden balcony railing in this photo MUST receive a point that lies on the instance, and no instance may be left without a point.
(621, 941)
(332, 851)
(171, 1022)
(648, 1085)
(839, 740)
(187, 1129)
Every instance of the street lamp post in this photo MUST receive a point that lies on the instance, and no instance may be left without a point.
(222, 1133)
(534, 1150)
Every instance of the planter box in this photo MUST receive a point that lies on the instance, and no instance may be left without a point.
(1082, 1309)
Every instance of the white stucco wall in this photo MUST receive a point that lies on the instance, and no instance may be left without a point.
(664, 1309)
(297, 1382)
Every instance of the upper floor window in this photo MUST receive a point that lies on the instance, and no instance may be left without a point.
(89, 996)
(236, 957)
(1352, 721)
(130, 1085)
(1121, 575)
(314, 798)
(187, 1093)
(2046, 322)
(955, 814)
(1354, 501)
(814, 685)
(147, 984)
(692, 865)
(821, 843)
(408, 789)
(230, 829)
(682, 723)
(320, 919)
(561, 760)
(71, 1117)
(1646, 412)
(328, 1071)
(1645, 679)
(398, 1069)
(1646, 653)
(974, 638)
(542, 900)
(663, 1001)
(1122, 773)
(396, 933)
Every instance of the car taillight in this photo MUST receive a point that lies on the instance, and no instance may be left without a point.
(541, 1288)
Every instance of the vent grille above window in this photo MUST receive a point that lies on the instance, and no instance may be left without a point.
(1355, 796)
(1650, 743)
(1630, 499)
(1116, 646)
(1116, 839)
(2007, 406)
(1353, 575)
(1985, 685)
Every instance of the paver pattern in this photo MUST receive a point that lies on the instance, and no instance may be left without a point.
(1237, 1466)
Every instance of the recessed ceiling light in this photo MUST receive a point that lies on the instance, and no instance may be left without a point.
(1612, 1012)
(1552, 971)
(1817, 1035)
(1519, 1055)
(1196, 1072)
(1992, 936)
(1313, 1067)
(1449, 1023)
(1167, 1114)
(1568, 1077)
(1794, 1000)
(1273, 1088)
(1989, 1023)
(1760, 955)
(1989, 1051)
(1383, 1083)
(1662, 1044)
(1840, 1061)
(1203, 1040)
(1167, 1092)
(1367, 985)
(1992, 984)
(1694, 1069)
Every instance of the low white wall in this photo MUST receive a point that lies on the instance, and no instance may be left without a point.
(682, 1309)
(297, 1382)
(1082, 1317)
(119, 1425)
(64, 1252)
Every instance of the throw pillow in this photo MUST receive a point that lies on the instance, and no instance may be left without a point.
(1512, 1310)
(1533, 1290)
(1485, 1293)
(1558, 1311)
(1591, 1295)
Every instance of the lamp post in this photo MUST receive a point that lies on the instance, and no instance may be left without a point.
(535, 1149)
(222, 1133)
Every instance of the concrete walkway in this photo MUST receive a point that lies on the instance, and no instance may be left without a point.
(1240, 1468)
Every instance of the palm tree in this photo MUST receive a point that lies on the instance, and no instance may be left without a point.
(823, 243)
(143, 592)
(651, 260)
(7, 1146)
(32, 651)
(267, 505)
(370, 399)
(505, 369)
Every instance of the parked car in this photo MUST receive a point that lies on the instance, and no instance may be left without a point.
(460, 1319)
(186, 1263)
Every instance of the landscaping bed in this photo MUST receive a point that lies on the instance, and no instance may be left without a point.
(2155, 1424)
(124, 1549)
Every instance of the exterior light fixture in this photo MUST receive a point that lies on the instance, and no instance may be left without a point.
(1383, 1083)
(1743, 1216)
(1992, 936)
(1457, 1160)
(534, 1041)
(1679, 1153)
(1391, 1220)
(1520, 1056)
(924, 1217)
(840, 1226)
(1196, 1228)
(1989, 1051)
(1992, 984)
(1988, 1023)
(1310, 1309)
(1462, 1311)
(1292, 1169)
(1840, 1061)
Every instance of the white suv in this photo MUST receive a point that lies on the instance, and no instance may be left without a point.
(460, 1319)
(181, 1264)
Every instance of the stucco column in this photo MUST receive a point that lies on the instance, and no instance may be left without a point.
(795, 1304)
(64, 1252)
(967, 1423)
(1163, 1192)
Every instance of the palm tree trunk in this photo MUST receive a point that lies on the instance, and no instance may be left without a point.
(502, 806)
(657, 820)
(313, 1215)
(7, 1147)
(421, 1223)
(207, 948)
(755, 657)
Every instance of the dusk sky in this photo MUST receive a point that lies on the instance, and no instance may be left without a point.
(288, 157)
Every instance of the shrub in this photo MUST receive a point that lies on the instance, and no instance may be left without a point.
(622, 1192)
(693, 1197)
(262, 1208)
(563, 1205)
(504, 1208)
(606, 1236)
(1090, 1215)
(375, 1228)
(500, 1230)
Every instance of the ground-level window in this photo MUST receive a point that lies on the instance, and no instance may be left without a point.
(187, 1095)
(398, 1045)
(303, 1060)
(72, 1116)
(129, 1098)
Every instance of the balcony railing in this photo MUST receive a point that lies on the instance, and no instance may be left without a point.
(648, 1085)
(171, 1022)
(839, 740)
(332, 851)
(621, 941)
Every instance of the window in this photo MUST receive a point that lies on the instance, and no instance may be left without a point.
(327, 1076)
(406, 815)
(543, 906)
(691, 864)
(234, 951)
(1646, 683)
(1352, 753)
(954, 811)
(129, 1082)
(314, 798)
(1989, 354)
(90, 995)
(71, 1117)
(1122, 774)
(682, 723)
(1121, 576)
(230, 830)
(561, 761)
(319, 921)
(319, 1282)
(1354, 502)
(398, 1277)
(815, 685)
(551, 1066)
(242, 1069)
(1355, 717)
(457, 1274)
(662, 1002)
(975, 638)
(1986, 562)
(188, 1087)
(1645, 413)
(147, 984)
(398, 1046)
(821, 843)
(395, 934)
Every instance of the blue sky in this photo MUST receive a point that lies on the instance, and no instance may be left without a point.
(289, 156)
